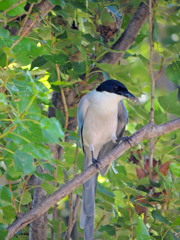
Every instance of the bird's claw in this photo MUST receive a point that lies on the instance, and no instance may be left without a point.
(96, 162)
(126, 139)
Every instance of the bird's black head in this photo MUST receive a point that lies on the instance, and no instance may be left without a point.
(114, 86)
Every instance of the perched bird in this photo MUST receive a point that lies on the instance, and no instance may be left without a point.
(102, 118)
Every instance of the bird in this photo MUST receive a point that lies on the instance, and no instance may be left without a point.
(102, 118)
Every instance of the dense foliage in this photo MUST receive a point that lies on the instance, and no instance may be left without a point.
(66, 45)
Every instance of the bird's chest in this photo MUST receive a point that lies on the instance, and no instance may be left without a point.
(100, 123)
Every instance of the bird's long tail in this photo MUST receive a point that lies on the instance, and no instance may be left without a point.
(88, 204)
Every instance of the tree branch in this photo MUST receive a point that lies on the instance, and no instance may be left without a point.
(44, 8)
(121, 45)
(128, 36)
(148, 131)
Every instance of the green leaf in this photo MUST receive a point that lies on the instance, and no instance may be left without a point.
(6, 194)
(38, 151)
(3, 102)
(169, 103)
(24, 162)
(111, 230)
(26, 132)
(3, 231)
(175, 169)
(26, 198)
(173, 72)
(49, 188)
(106, 193)
(60, 59)
(38, 62)
(157, 215)
(4, 33)
(16, 10)
(141, 231)
(9, 213)
(52, 130)
(44, 176)
(79, 67)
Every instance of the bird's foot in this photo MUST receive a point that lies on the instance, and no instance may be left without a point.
(126, 139)
(96, 162)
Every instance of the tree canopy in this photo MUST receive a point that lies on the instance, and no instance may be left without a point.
(51, 54)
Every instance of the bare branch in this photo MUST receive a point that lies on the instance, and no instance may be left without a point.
(128, 36)
(146, 132)
(151, 23)
(121, 45)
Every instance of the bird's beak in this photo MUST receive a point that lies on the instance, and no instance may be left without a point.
(131, 97)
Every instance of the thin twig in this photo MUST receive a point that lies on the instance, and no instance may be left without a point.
(72, 210)
(70, 216)
(14, 18)
(59, 228)
(75, 209)
(54, 215)
(63, 98)
(13, 6)
(99, 223)
(151, 142)
(75, 160)
(22, 194)
(13, 199)
(24, 33)
(26, 18)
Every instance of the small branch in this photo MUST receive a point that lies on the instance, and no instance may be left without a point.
(26, 18)
(22, 194)
(72, 210)
(148, 131)
(23, 35)
(75, 209)
(13, 6)
(99, 223)
(32, 22)
(13, 199)
(70, 216)
(65, 107)
(128, 36)
(151, 23)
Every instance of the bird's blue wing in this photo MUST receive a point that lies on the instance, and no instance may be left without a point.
(81, 113)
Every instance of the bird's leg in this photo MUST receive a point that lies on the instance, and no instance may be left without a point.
(95, 161)
(125, 139)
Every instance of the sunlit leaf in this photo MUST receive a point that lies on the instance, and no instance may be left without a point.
(26, 198)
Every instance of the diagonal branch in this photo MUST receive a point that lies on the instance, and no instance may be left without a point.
(128, 36)
(121, 45)
(146, 132)
(44, 7)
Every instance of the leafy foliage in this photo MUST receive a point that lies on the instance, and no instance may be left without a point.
(131, 203)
